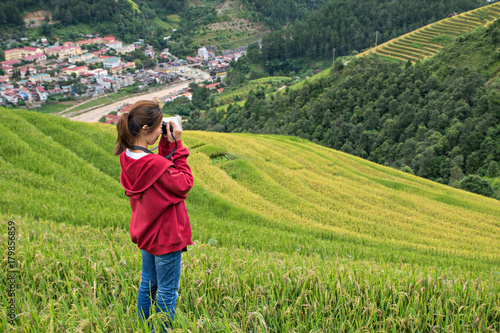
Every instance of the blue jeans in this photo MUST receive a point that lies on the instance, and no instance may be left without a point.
(160, 280)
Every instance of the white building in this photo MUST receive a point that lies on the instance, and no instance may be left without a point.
(203, 53)
(10, 96)
(111, 62)
(42, 94)
(114, 45)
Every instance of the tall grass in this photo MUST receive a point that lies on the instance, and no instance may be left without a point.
(302, 238)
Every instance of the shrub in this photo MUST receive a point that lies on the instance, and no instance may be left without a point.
(476, 184)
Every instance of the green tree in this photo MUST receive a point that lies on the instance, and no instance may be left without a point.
(80, 88)
(492, 170)
(475, 184)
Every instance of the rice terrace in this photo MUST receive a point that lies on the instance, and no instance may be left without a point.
(290, 236)
(427, 41)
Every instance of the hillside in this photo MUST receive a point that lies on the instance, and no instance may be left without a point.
(70, 19)
(340, 27)
(438, 119)
(429, 40)
(300, 237)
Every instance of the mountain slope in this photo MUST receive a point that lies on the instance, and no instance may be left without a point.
(294, 228)
(426, 42)
(63, 171)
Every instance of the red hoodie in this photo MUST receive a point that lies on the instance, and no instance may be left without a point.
(157, 188)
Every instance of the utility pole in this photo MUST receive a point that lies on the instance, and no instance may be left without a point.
(376, 38)
(333, 55)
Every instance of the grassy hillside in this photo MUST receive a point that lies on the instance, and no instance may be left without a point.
(289, 236)
(423, 43)
(265, 84)
(429, 40)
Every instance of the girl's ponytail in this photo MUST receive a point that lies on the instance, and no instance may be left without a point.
(125, 139)
(130, 123)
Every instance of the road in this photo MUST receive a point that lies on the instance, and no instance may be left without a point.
(94, 115)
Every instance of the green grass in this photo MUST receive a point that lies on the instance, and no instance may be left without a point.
(241, 93)
(227, 39)
(95, 102)
(134, 6)
(307, 238)
(51, 107)
(167, 25)
(106, 99)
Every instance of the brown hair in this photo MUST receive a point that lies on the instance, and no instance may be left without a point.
(130, 123)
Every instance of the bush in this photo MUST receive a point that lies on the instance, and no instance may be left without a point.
(407, 169)
(476, 184)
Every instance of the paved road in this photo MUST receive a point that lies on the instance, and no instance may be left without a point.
(94, 115)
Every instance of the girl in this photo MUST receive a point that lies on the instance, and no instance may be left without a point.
(157, 188)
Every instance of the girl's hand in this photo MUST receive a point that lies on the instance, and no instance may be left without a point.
(177, 132)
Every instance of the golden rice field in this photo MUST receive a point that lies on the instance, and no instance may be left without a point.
(427, 41)
(289, 237)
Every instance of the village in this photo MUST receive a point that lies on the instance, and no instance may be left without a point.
(79, 70)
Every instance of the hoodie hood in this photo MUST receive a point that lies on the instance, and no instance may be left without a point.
(138, 175)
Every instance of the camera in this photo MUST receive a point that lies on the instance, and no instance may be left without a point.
(164, 128)
(177, 120)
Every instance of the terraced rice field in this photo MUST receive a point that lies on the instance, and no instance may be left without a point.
(289, 237)
(429, 40)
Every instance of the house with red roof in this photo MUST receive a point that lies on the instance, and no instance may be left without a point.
(212, 86)
(96, 40)
(63, 51)
(27, 51)
(108, 39)
(77, 70)
(114, 45)
(39, 57)
(10, 95)
(42, 94)
(24, 70)
(99, 53)
(9, 70)
(8, 63)
(126, 108)
(13, 54)
(111, 118)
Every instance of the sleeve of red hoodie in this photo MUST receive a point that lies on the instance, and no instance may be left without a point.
(178, 178)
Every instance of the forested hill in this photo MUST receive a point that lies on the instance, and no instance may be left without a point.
(275, 14)
(122, 18)
(439, 119)
(350, 25)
